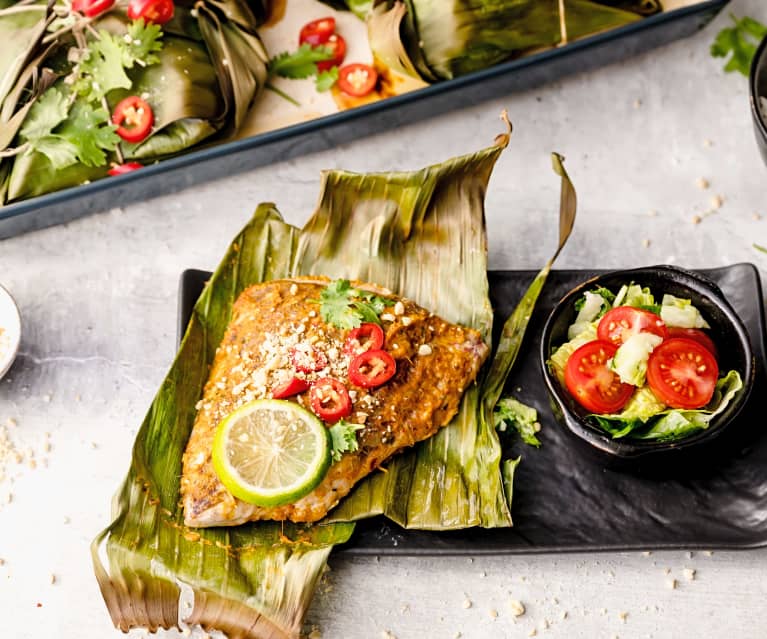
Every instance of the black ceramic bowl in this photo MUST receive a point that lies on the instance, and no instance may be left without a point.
(734, 353)
(758, 90)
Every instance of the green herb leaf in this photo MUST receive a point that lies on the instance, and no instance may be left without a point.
(59, 151)
(739, 42)
(46, 114)
(102, 68)
(347, 307)
(511, 412)
(344, 438)
(301, 63)
(142, 43)
(326, 79)
(760, 248)
(90, 131)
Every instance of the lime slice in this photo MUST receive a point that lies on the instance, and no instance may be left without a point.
(271, 452)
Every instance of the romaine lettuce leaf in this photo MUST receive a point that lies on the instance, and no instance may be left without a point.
(675, 311)
(634, 295)
(512, 412)
(560, 356)
(630, 360)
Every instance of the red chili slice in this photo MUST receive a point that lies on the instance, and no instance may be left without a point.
(317, 31)
(330, 400)
(372, 368)
(293, 386)
(622, 322)
(591, 383)
(307, 359)
(357, 79)
(134, 119)
(682, 373)
(92, 8)
(366, 337)
(122, 169)
(154, 11)
(337, 46)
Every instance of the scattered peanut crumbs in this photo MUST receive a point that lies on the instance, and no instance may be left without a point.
(517, 607)
(716, 202)
(689, 574)
(671, 584)
(697, 219)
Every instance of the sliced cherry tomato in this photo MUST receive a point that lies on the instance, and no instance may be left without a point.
(622, 322)
(154, 11)
(134, 119)
(293, 386)
(337, 46)
(317, 31)
(357, 79)
(330, 400)
(372, 368)
(696, 335)
(307, 359)
(92, 8)
(591, 383)
(682, 373)
(122, 169)
(366, 337)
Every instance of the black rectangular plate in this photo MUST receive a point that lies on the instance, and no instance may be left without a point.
(566, 502)
(221, 160)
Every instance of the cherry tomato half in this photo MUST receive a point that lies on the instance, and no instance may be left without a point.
(372, 368)
(622, 322)
(134, 119)
(293, 386)
(337, 46)
(122, 169)
(591, 383)
(682, 373)
(307, 359)
(154, 11)
(92, 8)
(696, 335)
(366, 337)
(317, 31)
(330, 400)
(357, 79)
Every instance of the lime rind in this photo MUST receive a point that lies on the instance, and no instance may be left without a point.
(271, 452)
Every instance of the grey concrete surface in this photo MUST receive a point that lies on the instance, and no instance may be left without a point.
(98, 299)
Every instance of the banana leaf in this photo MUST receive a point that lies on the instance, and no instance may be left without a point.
(441, 40)
(420, 233)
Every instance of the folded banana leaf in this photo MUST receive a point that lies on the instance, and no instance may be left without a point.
(209, 70)
(438, 41)
(421, 234)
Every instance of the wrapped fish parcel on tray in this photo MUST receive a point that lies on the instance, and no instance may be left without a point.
(442, 40)
(84, 97)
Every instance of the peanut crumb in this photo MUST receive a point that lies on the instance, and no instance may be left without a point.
(716, 202)
(466, 604)
(399, 308)
(708, 553)
(646, 553)
(707, 143)
(646, 243)
(47, 398)
(756, 217)
(652, 213)
(703, 183)
(11, 422)
(424, 350)
(564, 614)
(493, 613)
(66, 519)
(385, 634)
(637, 103)
(623, 616)
(2, 561)
(689, 574)
(545, 624)
(671, 584)
(532, 633)
(667, 571)
(52, 579)
(697, 219)
(517, 607)
(94, 445)
(315, 634)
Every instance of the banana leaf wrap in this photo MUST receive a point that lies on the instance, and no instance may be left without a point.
(442, 40)
(420, 233)
(211, 68)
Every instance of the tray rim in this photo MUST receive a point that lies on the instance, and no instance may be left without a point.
(348, 549)
(215, 151)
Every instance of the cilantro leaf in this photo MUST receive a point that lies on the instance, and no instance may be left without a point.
(301, 63)
(758, 247)
(739, 42)
(102, 67)
(142, 43)
(347, 307)
(46, 114)
(91, 132)
(60, 152)
(344, 438)
(326, 79)
(511, 412)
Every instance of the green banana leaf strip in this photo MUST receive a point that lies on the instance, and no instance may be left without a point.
(446, 40)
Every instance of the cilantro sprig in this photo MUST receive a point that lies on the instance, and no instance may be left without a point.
(301, 63)
(347, 307)
(739, 42)
(344, 438)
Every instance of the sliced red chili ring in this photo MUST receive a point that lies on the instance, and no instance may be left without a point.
(122, 169)
(134, 119)
(92, 8)
(154, 11)
(307, 359)
(372, 368)
(357, 79)
(330, 400)
(337, 47)
(293, 386)
(317, 31)
(366, 337)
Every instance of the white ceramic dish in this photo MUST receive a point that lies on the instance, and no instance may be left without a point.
(10, 331)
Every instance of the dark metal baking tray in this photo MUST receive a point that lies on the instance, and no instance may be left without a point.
(214, 162)
(567, 502)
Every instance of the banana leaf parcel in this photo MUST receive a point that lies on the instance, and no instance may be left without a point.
(420, 233)
(442, 40)
(61, 75)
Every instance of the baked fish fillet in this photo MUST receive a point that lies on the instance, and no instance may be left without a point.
(436, 361)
